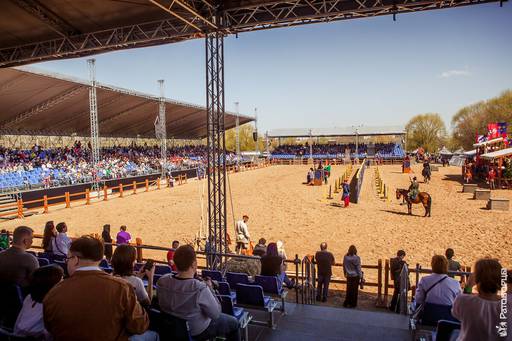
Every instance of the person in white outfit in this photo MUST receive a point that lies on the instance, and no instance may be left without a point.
(242, 234)
(61, 243)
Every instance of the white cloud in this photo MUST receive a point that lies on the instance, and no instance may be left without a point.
(455, 73)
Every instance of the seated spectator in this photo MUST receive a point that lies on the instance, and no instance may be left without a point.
(91, 304)
(184, 296)
(123, 261)
(260, 249)
(105, 236)
(62, 242)
(123, 237)
(30, 319)
(170, 255)
(49, 235)
(453, 265)
(16, 264)
(479, 313)
(353, 274)
(441, 288)
(273, 265)
(325, 261)
(4, 240)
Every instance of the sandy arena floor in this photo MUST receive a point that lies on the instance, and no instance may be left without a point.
(280, 207)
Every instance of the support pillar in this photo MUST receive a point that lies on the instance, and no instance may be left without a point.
(216, 170)
(237, 132)
(93, 115)
(162, 129)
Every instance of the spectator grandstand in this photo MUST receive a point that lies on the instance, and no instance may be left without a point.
(22, 169)
(332, 151)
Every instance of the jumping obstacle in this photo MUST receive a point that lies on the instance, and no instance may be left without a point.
(336, 187)
(482, 194)
(469, 188)
(500, 204)
(330, 192)
(380, 186)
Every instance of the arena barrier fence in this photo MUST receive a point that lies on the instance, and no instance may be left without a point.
(304, 271)
(357, 181)
(22, 208)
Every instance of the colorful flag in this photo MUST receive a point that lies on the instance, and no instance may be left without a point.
(481, 138)
(492, 131)
(502, 129)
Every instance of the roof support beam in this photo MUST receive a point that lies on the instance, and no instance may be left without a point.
(185, 6)
(50, 19)
(174, 14)
(124, 112)
(62, 97)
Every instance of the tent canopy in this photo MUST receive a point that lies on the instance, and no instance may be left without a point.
(485, 143)
(39, 103)
(445, 151)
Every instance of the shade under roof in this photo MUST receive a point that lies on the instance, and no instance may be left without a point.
(39, 103)
(338, 131)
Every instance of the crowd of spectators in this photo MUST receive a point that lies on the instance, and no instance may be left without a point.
(48, 167)
(117, 305)
(334, 150)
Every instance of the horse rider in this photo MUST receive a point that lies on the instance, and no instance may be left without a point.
(426, 169)
(414, 189)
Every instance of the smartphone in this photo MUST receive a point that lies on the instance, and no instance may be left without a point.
(149, 265)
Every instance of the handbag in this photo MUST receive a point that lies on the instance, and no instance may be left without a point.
(419, 310)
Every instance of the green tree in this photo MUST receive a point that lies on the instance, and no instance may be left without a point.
(246, 140)
(427, 131)
(473, 119)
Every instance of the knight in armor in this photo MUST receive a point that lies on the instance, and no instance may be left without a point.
(414, 188)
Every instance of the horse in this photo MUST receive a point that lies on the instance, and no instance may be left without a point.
(426, 175)
(422, 197)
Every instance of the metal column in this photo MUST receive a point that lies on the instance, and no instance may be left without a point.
(256, 131)
(163, 129)
(93, 115)
(237, 132)
(216, 148)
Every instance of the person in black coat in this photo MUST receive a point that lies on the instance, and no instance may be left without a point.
(105, 235)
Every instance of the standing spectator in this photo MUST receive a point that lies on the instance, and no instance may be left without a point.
(453, 265)
(123, 261)
(105, 236)
(170, 255)
(242, 234)
(4, 240)
(123, 237)
(30, 319)
(324, 261)
(91, 304)
(16, 264)
(353, 274)
(491, 178)
(49, 235)
(480, 314)
(345, 196)
(260, 249)
(61, 243)
(184, 296)
(280, 249)
(396, 265)
(441, 288)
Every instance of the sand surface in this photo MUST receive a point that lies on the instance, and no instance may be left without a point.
(280, 207)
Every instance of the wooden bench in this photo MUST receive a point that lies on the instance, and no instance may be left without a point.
(469, 188)
(482, 194)
(501, 204)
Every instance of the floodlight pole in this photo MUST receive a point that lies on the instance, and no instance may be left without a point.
(310, 145)
(93, 116)
(216, 160)
(237, 132)
(163, 128)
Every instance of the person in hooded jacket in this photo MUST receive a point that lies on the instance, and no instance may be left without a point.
(184, 296)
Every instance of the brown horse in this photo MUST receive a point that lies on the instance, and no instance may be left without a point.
(422, 197)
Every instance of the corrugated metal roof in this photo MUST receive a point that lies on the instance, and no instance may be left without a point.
(338, 131)
(40, 103)
(497, 154)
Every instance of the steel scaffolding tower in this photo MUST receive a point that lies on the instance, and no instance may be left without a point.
(256, 132)
(93, 115)
(216, 147)
(163, 128)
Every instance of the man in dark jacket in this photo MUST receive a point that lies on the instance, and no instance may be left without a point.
(325, 261)
(395, 269)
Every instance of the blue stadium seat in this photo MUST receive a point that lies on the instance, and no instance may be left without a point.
(169, 327)
(445, 329)
(225, 289)
(213, 274)
(104, 264)
(162, 270)
(11, 297)
(43, 261)
(251, 296)
(240, 314)
(433, 313)
(234, 278)
(272, 286)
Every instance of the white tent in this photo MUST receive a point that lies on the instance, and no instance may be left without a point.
(445, 151)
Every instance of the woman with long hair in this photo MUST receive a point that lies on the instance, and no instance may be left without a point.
(122, 262)
(105, 235)
(352, 271)
(272, 264)
(48, 236)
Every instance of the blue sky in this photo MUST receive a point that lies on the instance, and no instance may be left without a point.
(365, 71)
